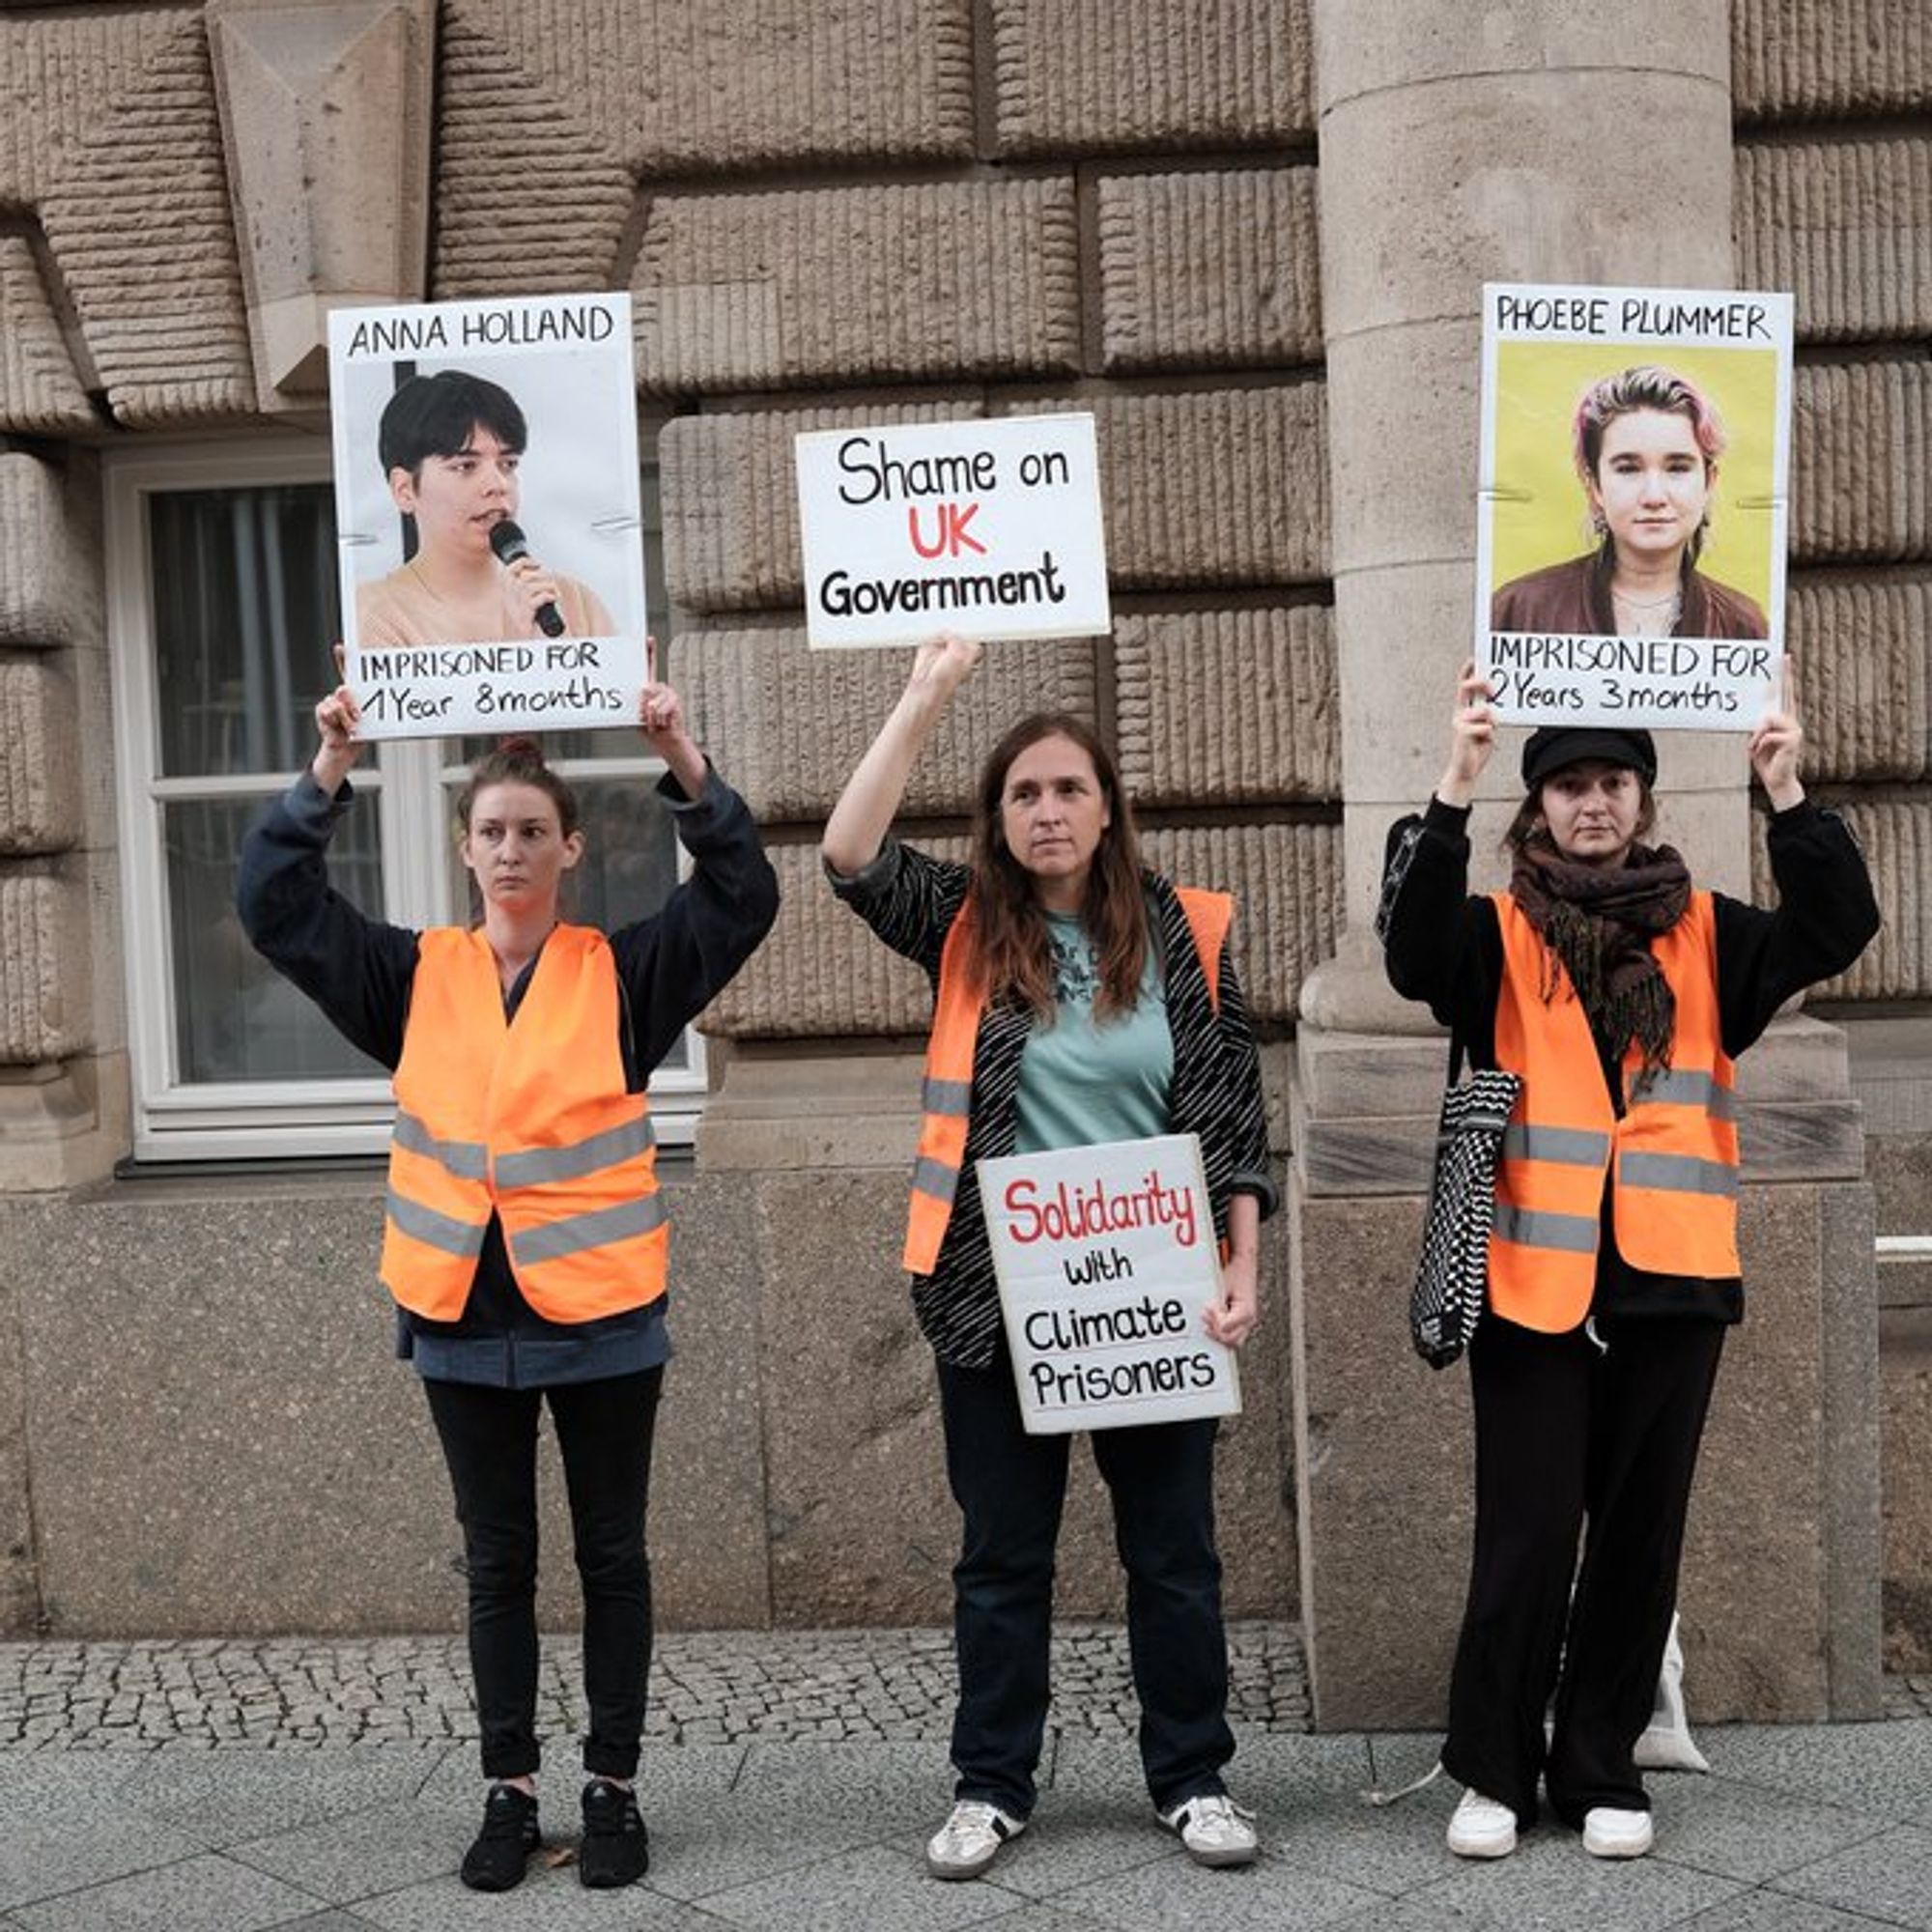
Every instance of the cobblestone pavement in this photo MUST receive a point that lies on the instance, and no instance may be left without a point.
(716, 1688)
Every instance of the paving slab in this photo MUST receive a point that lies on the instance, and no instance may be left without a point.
(1776, 1912)
(44, 1856)
(1884, 1768)
(1267, 1896)
(227, 1796)
(875, 1885)
(1888, 1877)
(361, 1855)
(1552, 1884)
(792, 1805)
(549, 1900)
(1745, 1831)
(209, 1893)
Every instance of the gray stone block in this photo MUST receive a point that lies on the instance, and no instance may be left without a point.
(50, 564)
(1228, 707)
(46, 991)
(1211, 270)
(1794, 60)
(1211, 487)
(1861, 452)
(40, 392)
(139, 221)
(577, 104)
(40, 758)
(1095, 77)
(1845, 224)
(859, 285)
(1865, 674)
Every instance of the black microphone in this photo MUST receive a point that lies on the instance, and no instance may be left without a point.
(508, 541)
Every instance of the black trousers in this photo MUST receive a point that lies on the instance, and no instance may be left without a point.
(1010, 1487)
(1565, 1434)
(490, 1442)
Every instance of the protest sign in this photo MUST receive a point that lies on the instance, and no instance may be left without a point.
(1631, 536)
(1106, 1262)
(488, 514)
(989, 529)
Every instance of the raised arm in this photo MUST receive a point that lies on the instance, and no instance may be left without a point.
(863, 815)
(1472, 737)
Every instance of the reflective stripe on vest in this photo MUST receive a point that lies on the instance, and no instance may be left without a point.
(1675, 1148)
(530, 1121)
(947, 1094)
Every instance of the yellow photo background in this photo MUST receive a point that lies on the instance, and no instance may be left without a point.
(1541, 514)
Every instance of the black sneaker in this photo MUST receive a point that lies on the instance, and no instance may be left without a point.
(617, 1848)
(495, 1861)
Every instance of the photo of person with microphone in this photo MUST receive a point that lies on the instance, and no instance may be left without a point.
(451, 445)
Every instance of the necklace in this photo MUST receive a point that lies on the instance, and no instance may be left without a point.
(434, 594)
(1631, 602)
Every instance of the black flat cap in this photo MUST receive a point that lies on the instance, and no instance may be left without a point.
(1554, 746)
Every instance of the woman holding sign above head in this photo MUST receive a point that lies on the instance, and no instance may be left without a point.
(1645, 443)
(1620, 996)
(450, 446)
(525, 1243)
(1080, 1000)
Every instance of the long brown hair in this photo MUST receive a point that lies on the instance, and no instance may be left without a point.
(1013, 951)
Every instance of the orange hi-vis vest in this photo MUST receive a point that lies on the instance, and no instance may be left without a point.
(530, 1121)
(1675, 1148)
(948, 1095)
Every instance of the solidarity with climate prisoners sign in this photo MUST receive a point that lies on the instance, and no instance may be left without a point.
(1634, 494)
(993, 528)
(488, 514)
(1106, 1262)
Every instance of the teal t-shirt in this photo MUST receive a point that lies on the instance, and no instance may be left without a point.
(1082, 1081)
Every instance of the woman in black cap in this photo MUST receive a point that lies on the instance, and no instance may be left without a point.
(1622, 997)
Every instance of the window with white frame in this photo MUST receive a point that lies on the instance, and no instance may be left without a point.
(223, 609)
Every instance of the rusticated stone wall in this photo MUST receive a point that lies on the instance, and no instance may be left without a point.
(1834, 200)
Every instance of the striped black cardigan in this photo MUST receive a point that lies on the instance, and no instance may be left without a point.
(910, 900)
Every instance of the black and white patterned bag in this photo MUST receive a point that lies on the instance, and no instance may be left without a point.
(1452, 1278)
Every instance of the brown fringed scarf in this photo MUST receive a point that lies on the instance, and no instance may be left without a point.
(1598, 922)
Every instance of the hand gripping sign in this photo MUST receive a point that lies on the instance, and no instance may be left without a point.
(1106, 1263)
(990, 529)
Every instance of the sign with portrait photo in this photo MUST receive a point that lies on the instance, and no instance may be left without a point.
(1634, 490)
(488, 514)
(993, 529)
(1106, 1262)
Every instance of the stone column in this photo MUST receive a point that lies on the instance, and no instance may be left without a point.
(1458, 146)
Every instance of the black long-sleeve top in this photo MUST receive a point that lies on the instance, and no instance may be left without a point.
(359, 972)
(1445, 948)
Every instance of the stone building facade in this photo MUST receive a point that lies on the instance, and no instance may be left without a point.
(1250, 237)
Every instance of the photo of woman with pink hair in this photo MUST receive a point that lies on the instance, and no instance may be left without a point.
(1645, 443)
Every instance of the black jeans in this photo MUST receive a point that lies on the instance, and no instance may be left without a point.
(604, 1429)
(1010, 1486)
(1565, 1431)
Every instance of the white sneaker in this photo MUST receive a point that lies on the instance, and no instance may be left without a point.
(1215, 1829)
(1481, 1828)
(1610, 1833)
(970, 1839)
